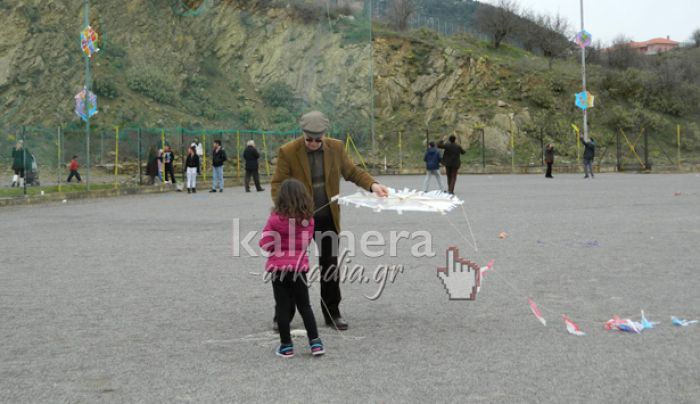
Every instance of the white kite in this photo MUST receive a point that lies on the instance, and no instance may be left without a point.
(403, 201)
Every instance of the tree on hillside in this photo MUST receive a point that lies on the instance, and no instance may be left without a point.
(545, 33)
(399, 12)
(498, 21)
(622, 56)
(696, 37)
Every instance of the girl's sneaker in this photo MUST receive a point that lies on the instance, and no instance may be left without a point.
(285, 350)
(316, 347)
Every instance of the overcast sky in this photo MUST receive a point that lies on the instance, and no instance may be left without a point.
(638, 20)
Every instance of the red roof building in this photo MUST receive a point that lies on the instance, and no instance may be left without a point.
(654, 46)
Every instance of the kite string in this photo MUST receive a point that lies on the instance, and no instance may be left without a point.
(501, 277)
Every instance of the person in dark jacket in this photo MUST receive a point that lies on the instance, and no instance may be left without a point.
(217, 162)
(168, 162)
(451, 160)
(588, 156)
(152, 165)
(432, 166)
(251, 156)
(549, 159)
(19, 166)
(192, 164)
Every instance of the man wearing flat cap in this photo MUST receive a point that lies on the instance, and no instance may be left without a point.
(319, 162)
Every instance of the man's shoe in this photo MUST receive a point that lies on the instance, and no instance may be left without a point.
(221, 190)
(189, 191)
(194, 190)
(261, 189)
(213, 190)
(247, 190)
(338, 323)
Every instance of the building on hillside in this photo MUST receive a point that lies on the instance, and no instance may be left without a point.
(654, 46)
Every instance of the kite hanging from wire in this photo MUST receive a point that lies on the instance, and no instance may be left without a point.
(88, 41)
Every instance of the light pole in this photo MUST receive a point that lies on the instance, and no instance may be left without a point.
(86, 23)
(583, 68)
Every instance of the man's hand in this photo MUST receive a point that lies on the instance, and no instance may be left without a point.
(380, 190)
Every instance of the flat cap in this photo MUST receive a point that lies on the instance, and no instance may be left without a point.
(314, 124)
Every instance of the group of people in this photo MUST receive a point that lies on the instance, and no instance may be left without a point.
(450, 158)
(161, 162)
(22, 165)
(588, 156)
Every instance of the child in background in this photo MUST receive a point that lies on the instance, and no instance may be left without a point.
(73, 167)
(192, 164)
(291, 222)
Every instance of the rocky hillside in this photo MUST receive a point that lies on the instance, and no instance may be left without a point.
(259, 64)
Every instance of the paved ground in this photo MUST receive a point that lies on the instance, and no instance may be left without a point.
(138, 299)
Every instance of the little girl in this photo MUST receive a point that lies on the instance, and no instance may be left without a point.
(192, 164)
(286, 236)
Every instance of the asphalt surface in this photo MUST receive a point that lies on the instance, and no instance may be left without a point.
(139, 299)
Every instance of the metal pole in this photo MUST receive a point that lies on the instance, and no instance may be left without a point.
(182, 154)
(371, 80)
(116, 156)
(619, 151)
(583, 69)
(678, 142)
(58, 160)
(483, 149)
(139, 157)
(646, 150)
(86, 22)
(24, 160)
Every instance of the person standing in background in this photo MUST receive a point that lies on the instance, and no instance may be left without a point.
(549, 159)
(432, 166)
(217, 164)
(251, 156)
(451, 160)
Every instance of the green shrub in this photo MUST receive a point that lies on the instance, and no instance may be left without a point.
(105, 88)
(279, 94)
(152, 83)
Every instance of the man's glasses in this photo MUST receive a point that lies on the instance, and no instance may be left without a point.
(310, 140)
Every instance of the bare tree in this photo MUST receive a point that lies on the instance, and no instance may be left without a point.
(498, 21)
(696, 37)
(555, 32)
(399, 12)
(622, 56)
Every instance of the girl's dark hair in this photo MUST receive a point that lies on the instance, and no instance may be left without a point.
(294, 201)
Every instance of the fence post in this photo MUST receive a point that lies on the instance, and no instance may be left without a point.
(646, 150)
(678, 142)
(162, 147)
(24, 160)
(238, 154)
(483, 149)
(182, 154)
(138, 152)
(267, 161)
(619, 151)
(400, 152)
(204, 154)
(116, 155)
(58, 152)
(512, 150)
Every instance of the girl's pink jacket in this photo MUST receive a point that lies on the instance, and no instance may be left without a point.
(286, 240)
